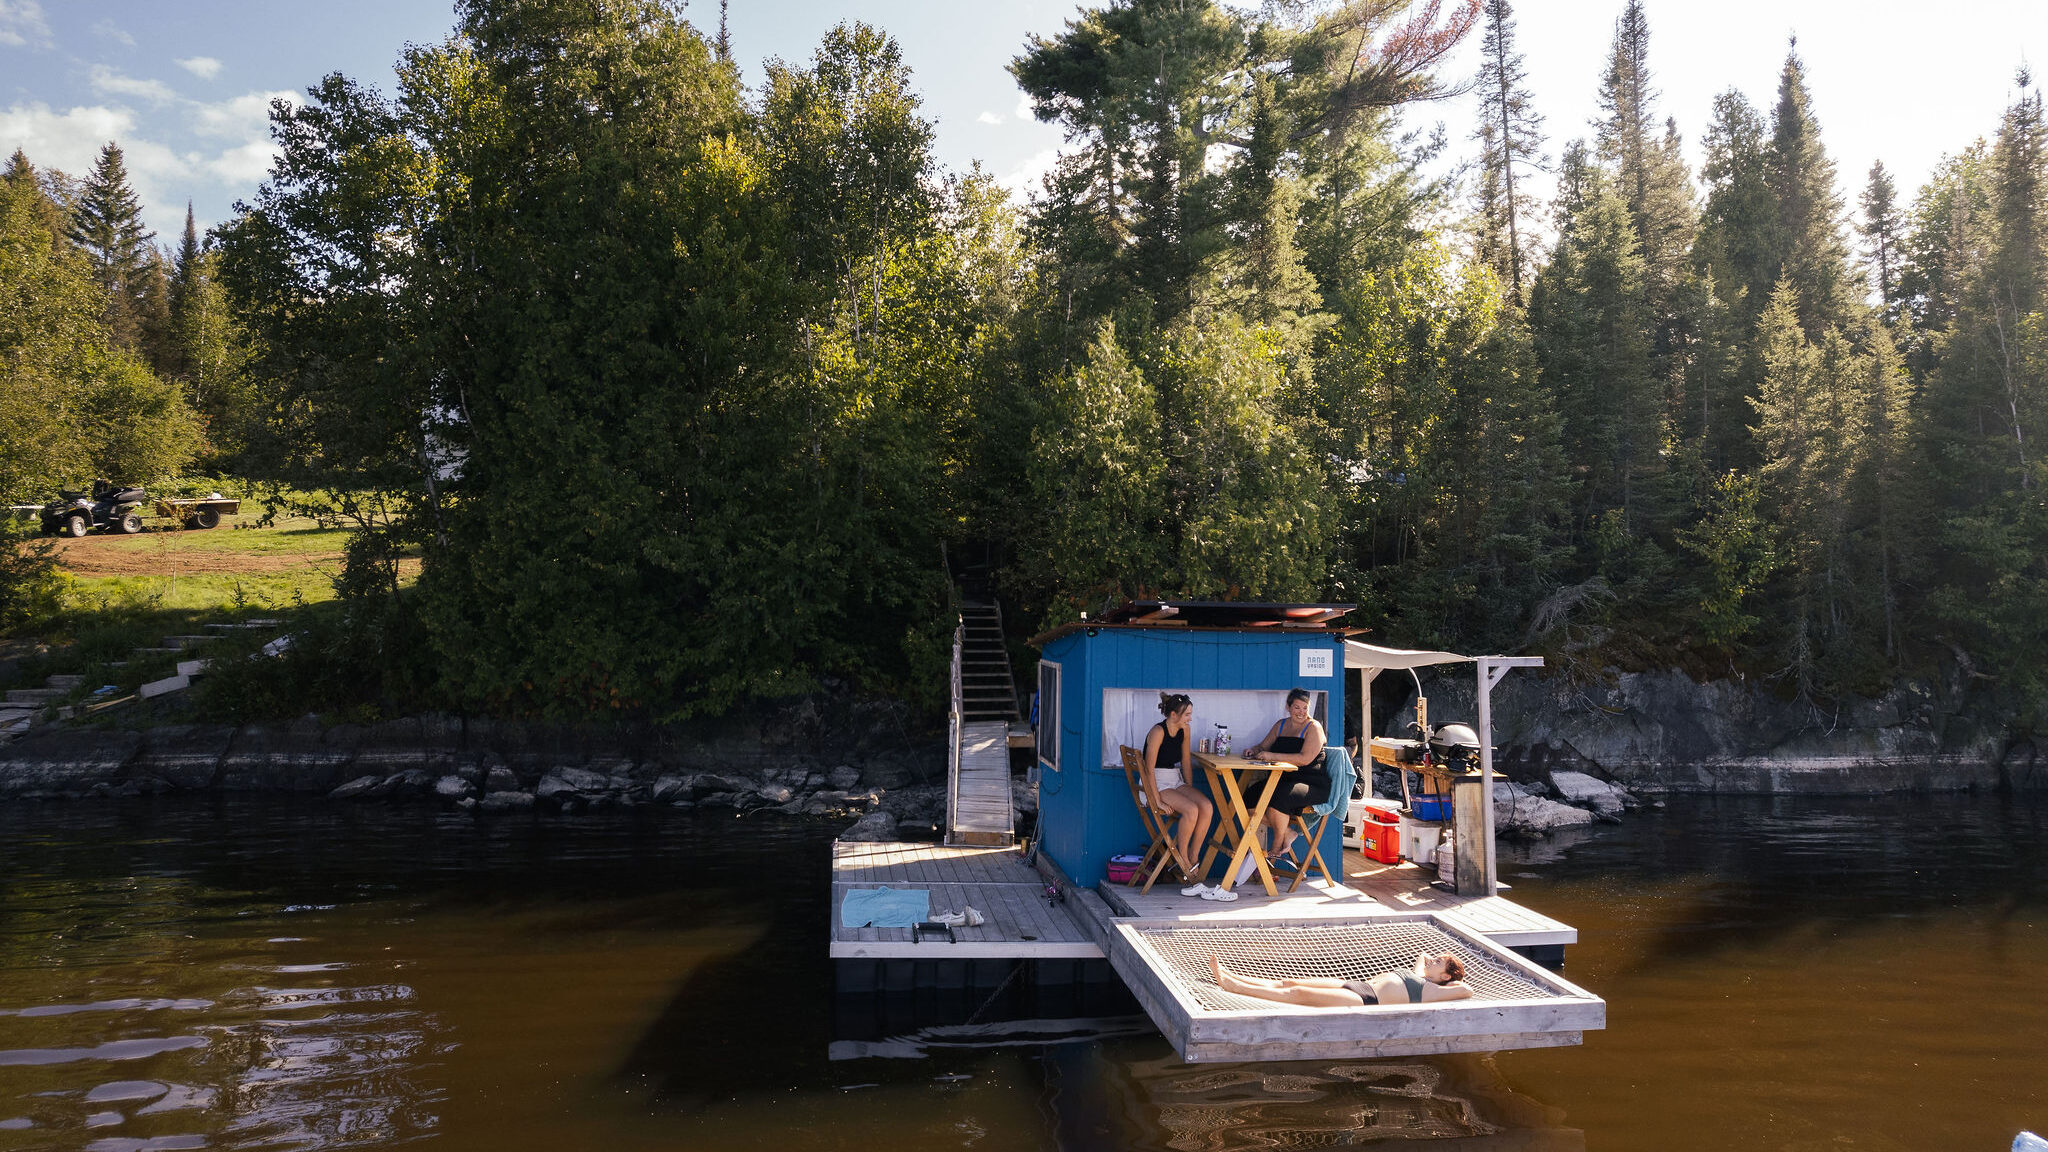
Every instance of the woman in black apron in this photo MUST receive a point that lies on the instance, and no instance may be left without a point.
(1296, 740)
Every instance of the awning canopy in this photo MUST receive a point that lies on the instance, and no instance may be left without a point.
(1357, 655)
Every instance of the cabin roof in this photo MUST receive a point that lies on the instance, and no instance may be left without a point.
(1213, 616)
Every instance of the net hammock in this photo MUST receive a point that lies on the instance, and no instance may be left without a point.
(1343, 951)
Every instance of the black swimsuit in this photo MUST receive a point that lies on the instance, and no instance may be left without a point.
(1306, 786)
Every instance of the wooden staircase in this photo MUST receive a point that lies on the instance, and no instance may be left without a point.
(978, 808)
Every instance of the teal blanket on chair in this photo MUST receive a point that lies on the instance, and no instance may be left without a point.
(884, 907)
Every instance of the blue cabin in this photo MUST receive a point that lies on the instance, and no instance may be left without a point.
(1098, 689)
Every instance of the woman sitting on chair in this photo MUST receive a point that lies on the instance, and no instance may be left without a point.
(1167, 788)
(1433, 979)
(1298, 739)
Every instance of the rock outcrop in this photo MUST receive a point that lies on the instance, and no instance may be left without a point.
(1651, 732)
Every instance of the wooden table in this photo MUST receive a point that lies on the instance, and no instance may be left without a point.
(1237, 823)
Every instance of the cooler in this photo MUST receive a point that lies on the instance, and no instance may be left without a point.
(1427, 807)
(1379, 832)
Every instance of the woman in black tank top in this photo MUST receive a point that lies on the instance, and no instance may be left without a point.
(1296, 740)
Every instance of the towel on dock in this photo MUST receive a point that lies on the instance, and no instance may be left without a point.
(884, 907)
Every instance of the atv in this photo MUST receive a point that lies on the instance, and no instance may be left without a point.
(109, 508)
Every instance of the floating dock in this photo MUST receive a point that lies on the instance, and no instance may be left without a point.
(1158, 943)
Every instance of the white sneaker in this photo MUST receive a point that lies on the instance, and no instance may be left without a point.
(974, 917)
(1196, 890)
(951, 919)
(1219, 894)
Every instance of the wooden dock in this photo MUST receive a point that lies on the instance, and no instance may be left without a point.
(1022, 922)
(1530, 1007)
(1370, 890)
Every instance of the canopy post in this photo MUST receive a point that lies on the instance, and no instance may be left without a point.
(1490, 671)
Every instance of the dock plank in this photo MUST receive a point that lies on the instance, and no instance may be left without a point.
(995, 881)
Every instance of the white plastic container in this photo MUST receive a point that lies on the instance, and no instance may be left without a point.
(1354, 824)
(1419, 839)
(1446, 862)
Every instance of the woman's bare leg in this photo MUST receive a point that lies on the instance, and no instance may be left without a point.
(1312, 992)
(1187, 811)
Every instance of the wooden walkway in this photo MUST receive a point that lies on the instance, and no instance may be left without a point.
(1371, 890)
(1022, 922)
(981, 806)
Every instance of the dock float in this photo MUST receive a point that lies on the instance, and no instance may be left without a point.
(1158, 944)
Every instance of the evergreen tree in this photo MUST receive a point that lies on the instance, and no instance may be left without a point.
(1590, 317)
(1647, 163)
(1510, 145)
(107, 223)
(1809, 247)
(1881, 229)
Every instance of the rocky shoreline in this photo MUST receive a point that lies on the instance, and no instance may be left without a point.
(888, 782)
(1569, 755)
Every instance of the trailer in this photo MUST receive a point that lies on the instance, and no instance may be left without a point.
(204, 513)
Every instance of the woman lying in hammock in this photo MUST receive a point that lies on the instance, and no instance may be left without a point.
(1434, 978)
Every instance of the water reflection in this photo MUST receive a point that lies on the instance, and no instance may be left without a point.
(1119, 1096)
(315, 976)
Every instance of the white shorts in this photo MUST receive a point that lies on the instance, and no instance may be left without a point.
(1167, 778)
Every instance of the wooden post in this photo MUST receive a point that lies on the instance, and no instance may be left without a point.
(1469, 842)
(1491, 669)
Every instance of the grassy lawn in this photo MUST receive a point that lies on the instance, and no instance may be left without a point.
(129, 592)
(230, 567)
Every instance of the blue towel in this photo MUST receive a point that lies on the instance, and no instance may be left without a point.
(884, 907)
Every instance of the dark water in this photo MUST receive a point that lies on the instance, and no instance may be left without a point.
(1780, 975)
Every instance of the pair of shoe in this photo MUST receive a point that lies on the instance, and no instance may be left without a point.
(968, 917)
(1210, 892)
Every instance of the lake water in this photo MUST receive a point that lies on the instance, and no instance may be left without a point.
(1789, 974)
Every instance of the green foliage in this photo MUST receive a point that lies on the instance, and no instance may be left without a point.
(30, 587)
(74, 404)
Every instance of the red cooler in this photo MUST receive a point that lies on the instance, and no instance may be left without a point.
(1380, 831)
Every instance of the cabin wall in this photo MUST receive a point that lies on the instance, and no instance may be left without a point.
(1085, 810)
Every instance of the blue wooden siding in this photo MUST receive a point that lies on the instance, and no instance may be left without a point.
(1085, 811)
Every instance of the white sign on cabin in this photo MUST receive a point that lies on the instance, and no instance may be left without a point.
(1317, 661)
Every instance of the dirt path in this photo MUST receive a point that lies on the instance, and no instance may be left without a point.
(151, 555)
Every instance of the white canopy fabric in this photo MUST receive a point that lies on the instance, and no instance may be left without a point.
(1357, 655)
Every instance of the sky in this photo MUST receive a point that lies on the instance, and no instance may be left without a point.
(184, 87)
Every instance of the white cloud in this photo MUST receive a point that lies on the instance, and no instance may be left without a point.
(22, 24)
(247, 115)
(107, 29)
(1027, 179)
(69, 140)
(244, 164)
(1024, 108)
(988, 118)
(110, 82)
(204, 67)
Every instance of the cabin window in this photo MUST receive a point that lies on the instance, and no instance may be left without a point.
(1048, 735)
(1128, 715)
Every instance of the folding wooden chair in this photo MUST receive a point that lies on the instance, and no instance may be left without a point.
(1158, 825)
(1337, 762)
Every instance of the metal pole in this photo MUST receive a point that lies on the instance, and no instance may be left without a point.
(1485, 667)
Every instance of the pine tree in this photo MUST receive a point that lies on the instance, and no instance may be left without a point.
(1589, 314)
(1737, 243)
(1648, 165)
(1511, 142)
(23, 176)
(1810, 248)
(107, 224)
(1881, 228)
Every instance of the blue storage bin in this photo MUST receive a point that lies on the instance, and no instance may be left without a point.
(1430, 807)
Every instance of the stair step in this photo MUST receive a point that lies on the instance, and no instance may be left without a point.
(35, 696)
(188, 641)
(166, 685)
(63, 683)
